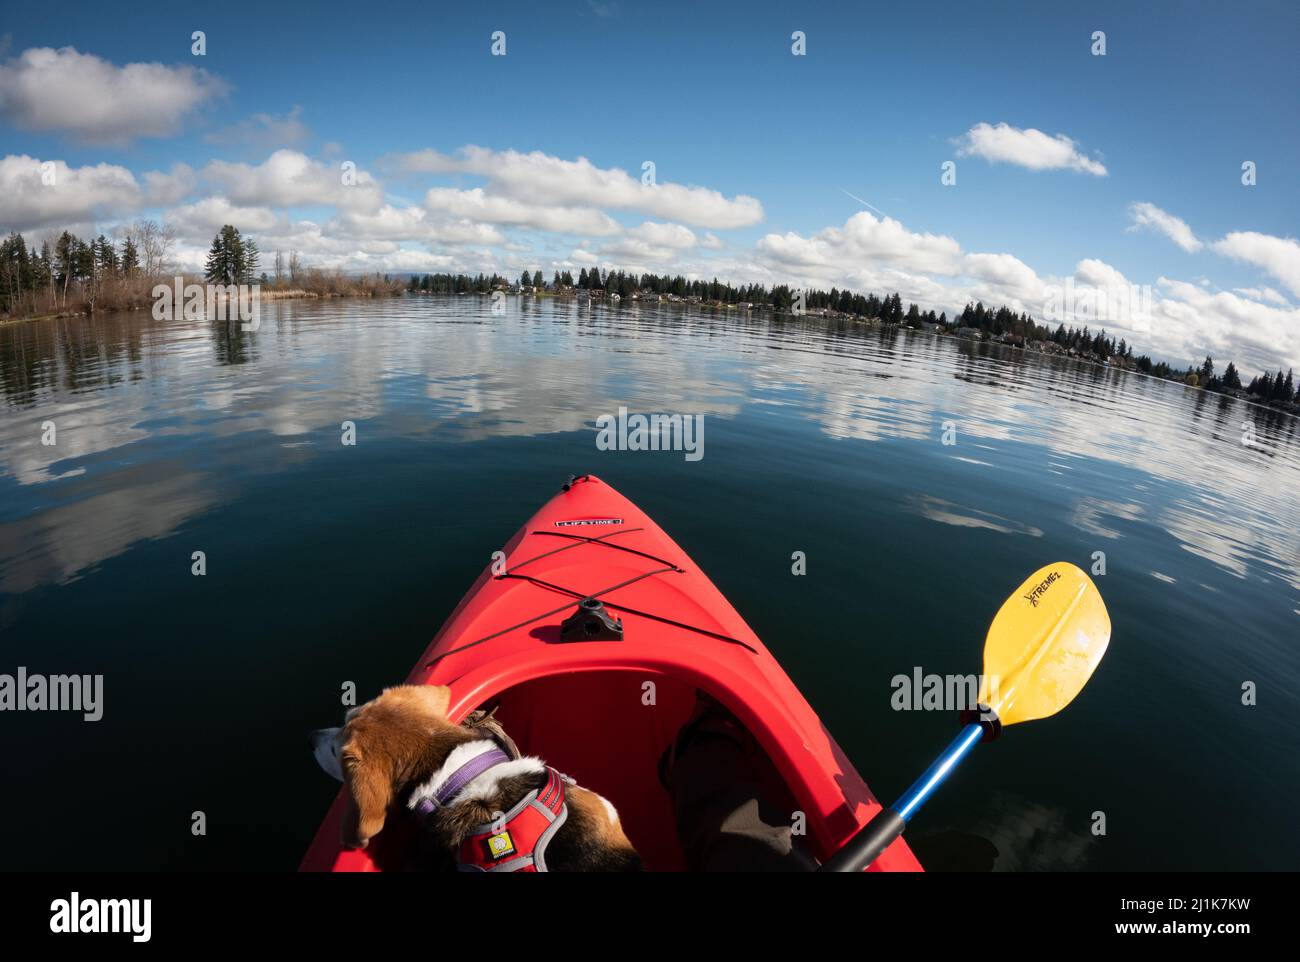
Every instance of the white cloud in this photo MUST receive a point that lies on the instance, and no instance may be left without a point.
(863, 240)
(1279, 256)
(362, 228)
(1011, 277)
(199, 221)
(1183, 322)
(1261, 294)
(33, 197)
(163, 189)
(1026, 148)
(476, 204)
(663, 235)
(412, 224)
(541, 179)
(1190, 321)
(1150, 216)
(76, 194)
(289, 178)
(649, 242)
(264, 130)
(97, 101)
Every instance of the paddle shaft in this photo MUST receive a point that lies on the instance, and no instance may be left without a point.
(874, 837)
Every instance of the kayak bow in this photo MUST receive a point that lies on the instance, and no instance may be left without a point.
(603, 710)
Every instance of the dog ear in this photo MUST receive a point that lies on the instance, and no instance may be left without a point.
(370, 791)
(435, 698)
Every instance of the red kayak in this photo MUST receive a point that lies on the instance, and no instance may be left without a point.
(573, 694)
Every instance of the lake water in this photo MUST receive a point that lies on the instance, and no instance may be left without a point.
(329, 563)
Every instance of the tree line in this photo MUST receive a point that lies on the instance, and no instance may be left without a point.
(71, 273)
(234, 258)
(888, 309)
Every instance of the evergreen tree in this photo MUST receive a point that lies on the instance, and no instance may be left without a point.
(226, 263)
(130, 258)
(83, 260)
(248, 261)
(106, 264)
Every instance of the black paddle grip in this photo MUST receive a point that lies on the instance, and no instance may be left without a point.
(864, 847)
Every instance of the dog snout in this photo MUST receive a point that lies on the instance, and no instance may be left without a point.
(325, 747)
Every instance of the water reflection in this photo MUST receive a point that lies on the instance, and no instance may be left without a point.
(126, 390)
(1029, 836)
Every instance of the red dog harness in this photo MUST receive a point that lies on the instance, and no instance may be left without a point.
(517, 841)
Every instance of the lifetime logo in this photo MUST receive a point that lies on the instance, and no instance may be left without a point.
(1041, 589)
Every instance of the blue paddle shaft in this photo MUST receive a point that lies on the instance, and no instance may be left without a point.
(874, 837)
(933, 777)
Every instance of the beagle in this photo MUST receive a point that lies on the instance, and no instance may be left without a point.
(467, 786)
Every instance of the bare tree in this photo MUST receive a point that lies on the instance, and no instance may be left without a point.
(154, 243)
(295, 268)
(279, 267)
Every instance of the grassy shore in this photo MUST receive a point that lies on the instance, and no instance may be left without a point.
(136, 294)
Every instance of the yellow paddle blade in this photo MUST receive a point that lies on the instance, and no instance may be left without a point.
(1044, 644)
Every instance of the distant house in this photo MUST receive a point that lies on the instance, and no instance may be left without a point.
(974, 333)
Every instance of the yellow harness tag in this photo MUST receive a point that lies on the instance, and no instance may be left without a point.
(499, 846)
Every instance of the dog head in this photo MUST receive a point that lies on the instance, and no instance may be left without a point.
(385, 744)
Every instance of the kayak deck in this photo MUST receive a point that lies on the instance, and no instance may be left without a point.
(604, 711)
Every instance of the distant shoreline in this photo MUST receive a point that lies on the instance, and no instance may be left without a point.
(872, 323)
(756, 309)
(265, 293)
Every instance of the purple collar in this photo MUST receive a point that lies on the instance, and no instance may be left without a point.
(456, 782)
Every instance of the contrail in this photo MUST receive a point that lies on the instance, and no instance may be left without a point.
(864, 203)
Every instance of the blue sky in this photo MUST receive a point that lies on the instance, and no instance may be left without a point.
(712, 94)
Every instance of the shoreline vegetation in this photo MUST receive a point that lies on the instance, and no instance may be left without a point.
(71, 277)
(976, 322)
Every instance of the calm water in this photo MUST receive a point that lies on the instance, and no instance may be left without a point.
(329, 563)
